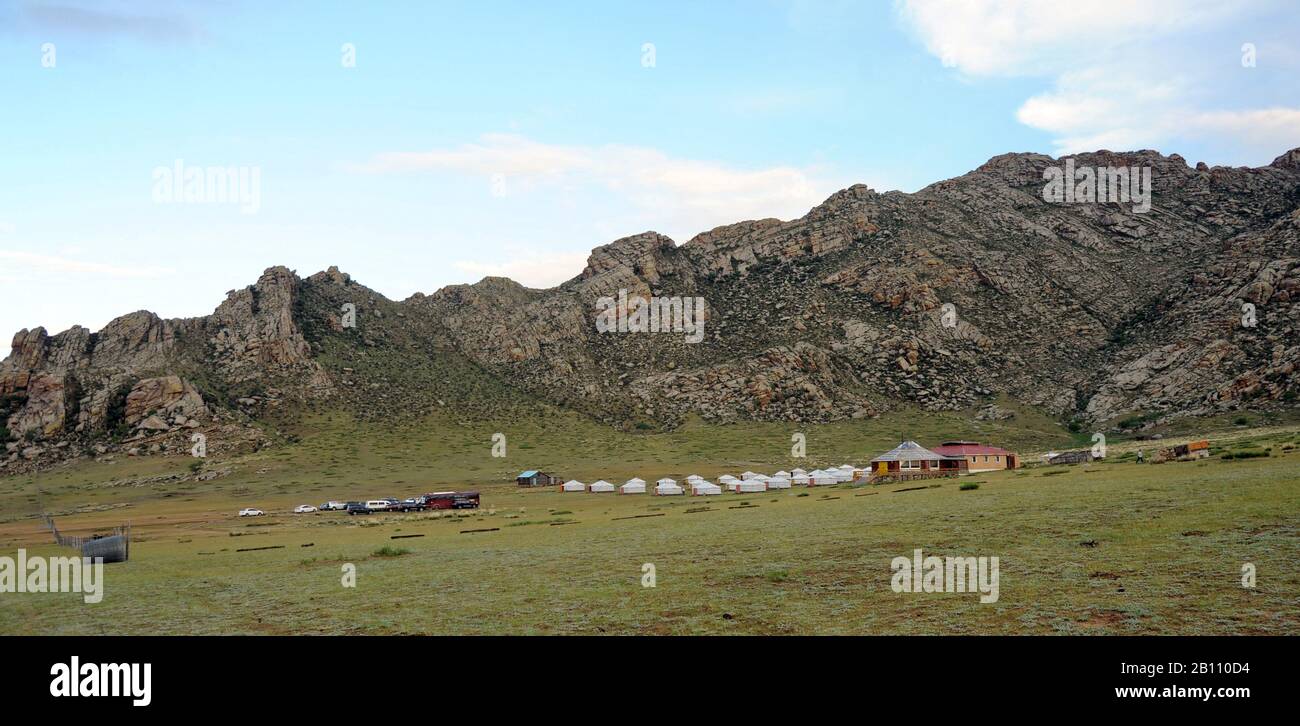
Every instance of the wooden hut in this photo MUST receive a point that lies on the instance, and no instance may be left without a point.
(534, 478)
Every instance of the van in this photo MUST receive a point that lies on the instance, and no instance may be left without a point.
(378, 505)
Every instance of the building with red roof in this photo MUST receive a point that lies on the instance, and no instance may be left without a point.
(979, 457)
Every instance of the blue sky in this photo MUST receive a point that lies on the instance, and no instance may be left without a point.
(510, 138)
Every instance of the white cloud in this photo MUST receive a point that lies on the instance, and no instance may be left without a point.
(539, 270)
(1125, 75)
(1266, 127)
(31, 262)
(680, 193)
(1031, 37)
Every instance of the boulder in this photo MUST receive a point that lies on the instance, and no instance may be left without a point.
(168, 394)
(153, 423)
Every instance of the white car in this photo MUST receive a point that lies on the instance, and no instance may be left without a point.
(304, 509)
(251, 512)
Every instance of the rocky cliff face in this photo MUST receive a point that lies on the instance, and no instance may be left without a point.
(967, 289)
(142, 378)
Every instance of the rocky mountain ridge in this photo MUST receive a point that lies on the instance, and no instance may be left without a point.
(968, 289)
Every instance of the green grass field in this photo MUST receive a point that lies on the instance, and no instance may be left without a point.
(1115, 547)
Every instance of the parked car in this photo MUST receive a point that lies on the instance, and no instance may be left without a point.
(412, 504)
(304, 509)
(357, 508)
(378, 505)
(465, 500)
(333, 506)
(251, 512)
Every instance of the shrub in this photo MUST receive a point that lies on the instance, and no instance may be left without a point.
(1136, 420)
(969, 486)
(115, 412)
(1245, 454)
(389, 551)
(778, 576)
(1241, 421)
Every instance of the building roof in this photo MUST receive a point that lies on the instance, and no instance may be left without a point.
(968, 448)
(528, 474)
(908, 451)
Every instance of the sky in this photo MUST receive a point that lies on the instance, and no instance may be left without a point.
(417, 145)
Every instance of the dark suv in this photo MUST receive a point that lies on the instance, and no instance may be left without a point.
(357, 508)
(412, 504)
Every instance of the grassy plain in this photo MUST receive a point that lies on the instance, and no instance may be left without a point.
(1115, 547)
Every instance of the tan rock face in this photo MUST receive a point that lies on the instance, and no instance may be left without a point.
(168, 394)
(44, 411)
(255, 328)
(28, 349)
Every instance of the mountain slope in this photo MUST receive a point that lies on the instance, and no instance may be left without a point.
(968, 289)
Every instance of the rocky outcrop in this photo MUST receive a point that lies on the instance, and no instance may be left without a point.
(168, 396)
(44, 410)
(253, 333)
